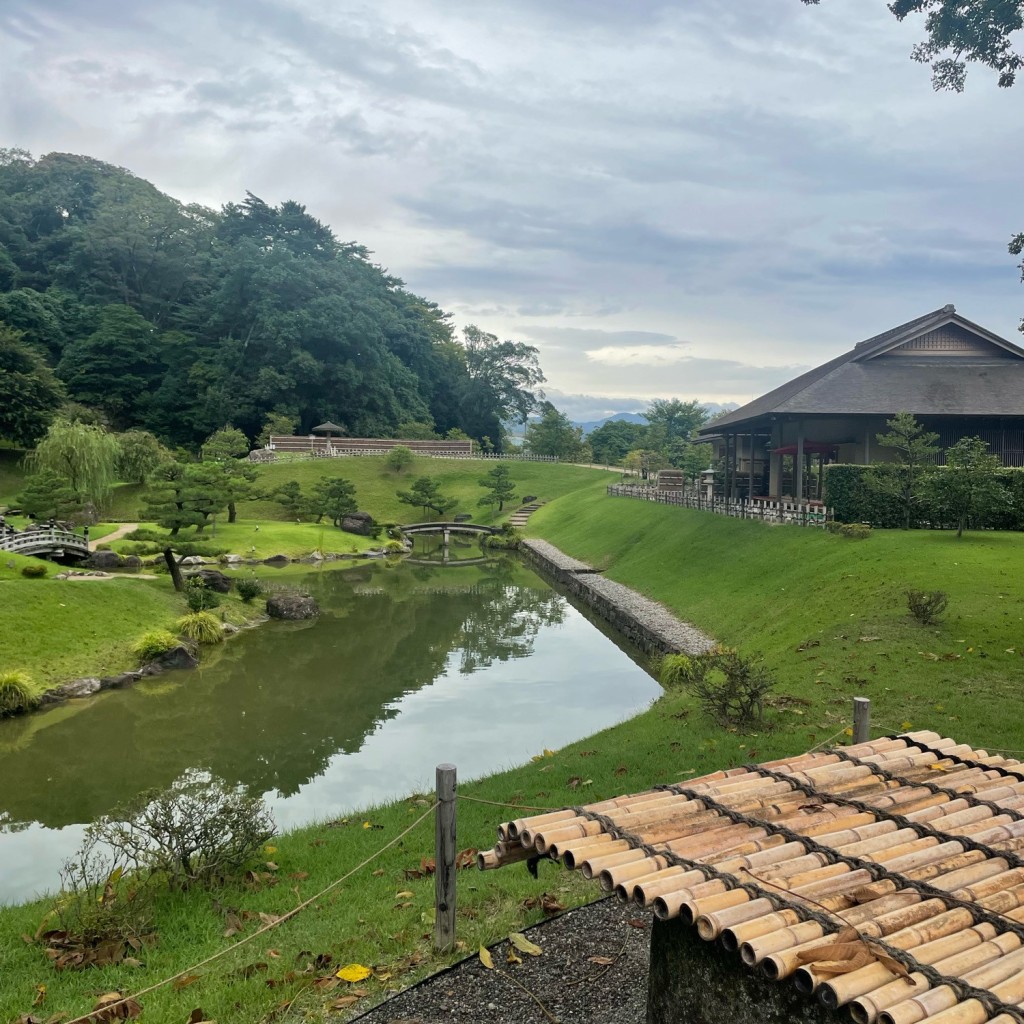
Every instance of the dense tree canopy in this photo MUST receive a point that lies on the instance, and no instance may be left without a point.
(174, 319)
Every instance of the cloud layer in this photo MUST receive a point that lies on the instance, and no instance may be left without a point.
(667, 199)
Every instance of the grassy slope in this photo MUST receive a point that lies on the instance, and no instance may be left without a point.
(773, 589)
(759, 587)
(376, 485)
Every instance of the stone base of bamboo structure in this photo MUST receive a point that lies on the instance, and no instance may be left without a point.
(695, 982)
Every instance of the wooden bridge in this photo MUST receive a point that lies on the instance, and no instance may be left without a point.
(447, 528)
(46, 540)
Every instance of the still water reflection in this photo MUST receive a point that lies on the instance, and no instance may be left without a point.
(479, 665)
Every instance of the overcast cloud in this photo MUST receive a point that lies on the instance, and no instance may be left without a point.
(696, 199)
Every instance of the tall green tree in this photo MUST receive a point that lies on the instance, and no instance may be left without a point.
(426, 494)
(29, 392)
(672, 420)
(613, 441)
(499, 487)
(84, 456)
(915, 451)
(966, 490)
(115, 368)
(225, 448)
(554, 435)
(139, 453)
(502, 382)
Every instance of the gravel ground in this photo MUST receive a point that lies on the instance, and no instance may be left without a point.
(573, 988)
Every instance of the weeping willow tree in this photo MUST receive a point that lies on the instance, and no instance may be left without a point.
(82, 455)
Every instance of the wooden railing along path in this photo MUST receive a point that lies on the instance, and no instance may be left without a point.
(766, 510)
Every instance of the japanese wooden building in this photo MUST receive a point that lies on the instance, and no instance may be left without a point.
(957, 378)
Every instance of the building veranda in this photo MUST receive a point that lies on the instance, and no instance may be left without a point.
(957, 378)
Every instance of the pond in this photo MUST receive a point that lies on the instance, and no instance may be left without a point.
(481, 665)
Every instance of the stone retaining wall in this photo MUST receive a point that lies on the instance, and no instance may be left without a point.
(647, 624)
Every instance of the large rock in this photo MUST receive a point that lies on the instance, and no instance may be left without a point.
(181, 656)
(358, 522)
(292, 606)
(276, 560)
(232, 559)
(192, 560)
(104, 560)
(80, 688)
(213, 578)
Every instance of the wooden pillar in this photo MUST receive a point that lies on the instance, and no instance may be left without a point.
(798, 464)
(750, 486)
(444, 859)
(861, 719)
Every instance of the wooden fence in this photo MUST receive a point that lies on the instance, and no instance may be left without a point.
(792, 513)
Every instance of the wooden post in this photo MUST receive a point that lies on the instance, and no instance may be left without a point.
(444, 859)
(861, 719)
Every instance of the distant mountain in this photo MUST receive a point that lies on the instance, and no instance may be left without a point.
(635, 417)
(619, 417)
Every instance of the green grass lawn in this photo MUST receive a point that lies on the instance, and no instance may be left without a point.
(829, 616)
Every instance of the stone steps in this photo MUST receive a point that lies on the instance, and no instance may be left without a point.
(519, 517)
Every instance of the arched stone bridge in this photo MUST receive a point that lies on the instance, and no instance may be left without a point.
(446, 528)
(45, 541)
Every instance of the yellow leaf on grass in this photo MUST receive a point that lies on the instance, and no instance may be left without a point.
(524, 945)
(404, 894)
(353, 972)
(486, 959)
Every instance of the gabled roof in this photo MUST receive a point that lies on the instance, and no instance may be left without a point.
(937, 364)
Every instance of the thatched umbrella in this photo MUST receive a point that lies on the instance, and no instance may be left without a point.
(329, 428)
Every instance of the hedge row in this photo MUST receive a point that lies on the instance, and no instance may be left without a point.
(851, 499)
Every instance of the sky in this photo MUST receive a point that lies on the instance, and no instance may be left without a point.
(690, 199)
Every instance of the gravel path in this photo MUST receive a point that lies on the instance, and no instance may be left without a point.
(123, 529)
(573, 988)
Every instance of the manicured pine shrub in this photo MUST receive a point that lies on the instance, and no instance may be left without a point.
(199, 596)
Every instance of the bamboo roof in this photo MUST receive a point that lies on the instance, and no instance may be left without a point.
(885, 877)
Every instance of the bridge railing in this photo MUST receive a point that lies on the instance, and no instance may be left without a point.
(43, 539)
(766, 510)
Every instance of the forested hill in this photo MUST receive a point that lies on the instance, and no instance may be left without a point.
(179, 319)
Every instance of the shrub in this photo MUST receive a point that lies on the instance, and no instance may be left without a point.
(17, 693)
(683, 669)
(100, 909)
(248, 588)
(200, 628)
(35, 571)
(394, 547)
(733, 690)
(199, 596)
(852, 531)
(927, 606)
(154, 643)
(103, 547)
(199, 831)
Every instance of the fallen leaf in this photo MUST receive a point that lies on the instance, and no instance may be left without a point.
(404, 894)
(486, 959)
(353, 973)
(40, 995)
(378, 873)
(604, 961)
(197, 1017)
(524, 945)
(300, 876)
(344, 1002)
(114, 1006)
(511, 957)
(637, 923)
(269, 918)
(184, 982)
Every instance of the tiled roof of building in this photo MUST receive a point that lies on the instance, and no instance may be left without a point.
(884, 877)
(989, 383)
